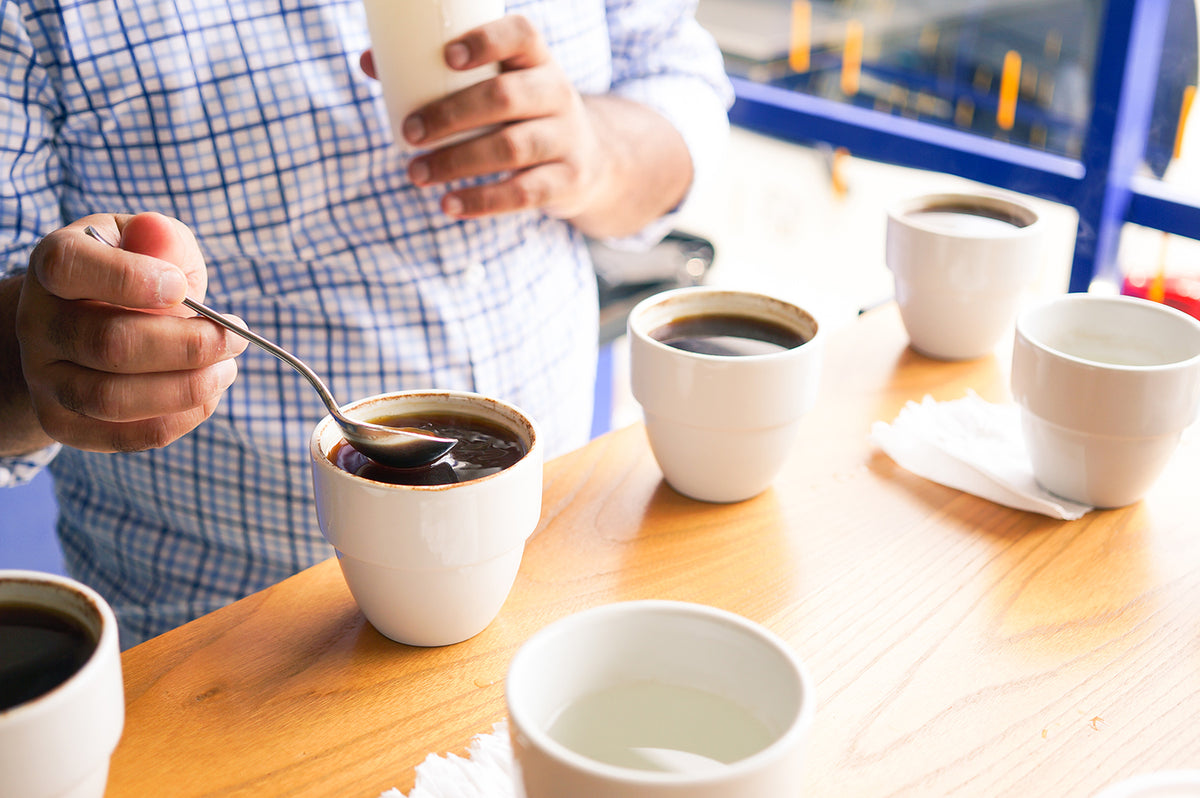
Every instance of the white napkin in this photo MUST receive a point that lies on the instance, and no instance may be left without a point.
(486, 772)
(973, 446)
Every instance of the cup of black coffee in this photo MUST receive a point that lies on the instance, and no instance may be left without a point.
(962, 264)
(430, 553)
(724, 379)
(62, 701)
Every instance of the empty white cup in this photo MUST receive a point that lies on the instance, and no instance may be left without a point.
(649, 699)
(59, 743)
(1106, 385)
(429, 565)
(961, 264)
(407, 41)
(721, 426)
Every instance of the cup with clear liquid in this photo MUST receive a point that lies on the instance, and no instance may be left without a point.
(647, 699)
(1107, 385)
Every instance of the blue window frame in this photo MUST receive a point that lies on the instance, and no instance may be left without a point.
(1103, 184)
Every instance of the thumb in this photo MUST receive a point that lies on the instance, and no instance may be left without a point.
(169, 240)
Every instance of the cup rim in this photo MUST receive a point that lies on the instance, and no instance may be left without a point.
(320, 460)
(1151, 780)
(47, 701)
(1012, 208)
(566, 756)
(1025, 317)
(635, 330)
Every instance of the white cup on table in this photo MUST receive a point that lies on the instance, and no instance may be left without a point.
(961, 264)
(722, 412)
(1156, 784)
(62, 700)
(407, 41)
(649, 699)
(1106, 386)
(428, 564)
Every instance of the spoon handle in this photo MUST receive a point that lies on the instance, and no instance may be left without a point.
(282, 354)
(254, 338)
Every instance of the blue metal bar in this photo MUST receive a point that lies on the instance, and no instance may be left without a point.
(1153, 203)
(880, 136)
(602, 408)
(1123, 97)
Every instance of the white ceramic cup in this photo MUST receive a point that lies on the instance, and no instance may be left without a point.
(1156, 784)
(58, 745)
(429, 565)
(1106, 385)
(721, 427)
(673, 685)
(961, 264)
(407, 41)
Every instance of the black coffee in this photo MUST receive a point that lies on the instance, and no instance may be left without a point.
(483, 448)
(969, 220)
(40, 648)
(727, 335)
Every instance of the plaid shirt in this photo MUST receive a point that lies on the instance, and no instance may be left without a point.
(251, 121)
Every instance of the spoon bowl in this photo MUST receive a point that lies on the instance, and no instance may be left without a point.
(389, 446)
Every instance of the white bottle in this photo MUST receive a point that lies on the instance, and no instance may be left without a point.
(407, 41)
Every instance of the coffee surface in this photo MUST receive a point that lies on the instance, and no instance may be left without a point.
(968, 220)
(40, 648)
(483, 448)
(727, 335)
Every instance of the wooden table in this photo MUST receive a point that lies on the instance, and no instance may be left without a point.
(958, 647)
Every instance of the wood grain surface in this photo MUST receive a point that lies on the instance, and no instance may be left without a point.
(958, 647)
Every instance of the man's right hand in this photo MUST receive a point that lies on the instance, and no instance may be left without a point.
(112, 360)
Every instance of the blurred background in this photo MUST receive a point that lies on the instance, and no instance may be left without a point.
(1083, 103)
(847, 106)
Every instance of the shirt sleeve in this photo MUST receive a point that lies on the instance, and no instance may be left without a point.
(664, 59)
(30, 175)
(20, 470)
(30, 170)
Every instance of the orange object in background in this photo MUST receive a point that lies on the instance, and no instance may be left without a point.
(800, 49)
(837, 172)
(852, 54)
(1185, 109)
(1179, 292)
(1010, 86)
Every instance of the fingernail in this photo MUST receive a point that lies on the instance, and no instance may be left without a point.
(172, 287)
(418, 172)
(457, 55)
(414, 128)
(227, 371)
(234, 342)
(452, 205)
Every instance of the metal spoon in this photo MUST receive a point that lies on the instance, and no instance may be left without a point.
(391, 446)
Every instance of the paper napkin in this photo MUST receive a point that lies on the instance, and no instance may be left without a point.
(973, 446)
(486, 771)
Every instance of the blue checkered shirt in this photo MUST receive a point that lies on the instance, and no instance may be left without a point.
(250, 120)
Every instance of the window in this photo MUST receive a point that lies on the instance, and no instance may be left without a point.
(1081, 102)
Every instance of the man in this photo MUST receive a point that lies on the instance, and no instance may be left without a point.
(241, 155)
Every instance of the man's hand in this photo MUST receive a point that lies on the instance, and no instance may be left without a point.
(111, 359)
(608, 164)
